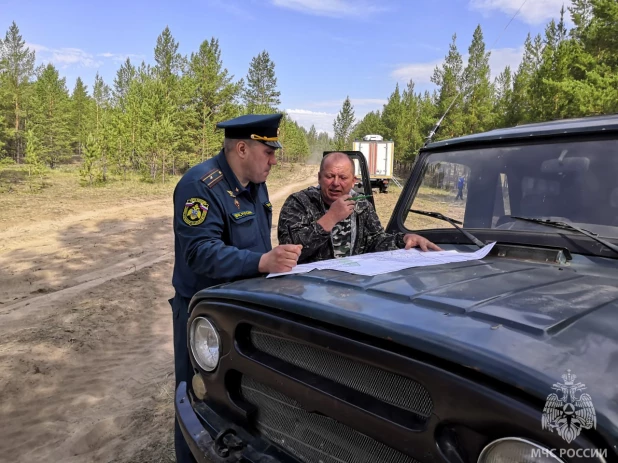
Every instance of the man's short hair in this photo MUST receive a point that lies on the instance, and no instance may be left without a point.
(230, 143)
(337, 154)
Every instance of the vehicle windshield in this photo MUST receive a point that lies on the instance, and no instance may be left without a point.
(571, 182)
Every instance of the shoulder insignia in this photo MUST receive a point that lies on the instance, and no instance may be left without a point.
(212, 177)
(195, 211)
(241, 215)
(268, 205)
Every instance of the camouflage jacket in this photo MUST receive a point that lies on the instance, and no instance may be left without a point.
(298, 225)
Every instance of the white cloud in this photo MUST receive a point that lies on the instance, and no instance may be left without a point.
(502, 57)
(64, 57)
(121, 57)
(421, 73)
(332, 8)
(356, 102)
(533, 11)
(322, 121)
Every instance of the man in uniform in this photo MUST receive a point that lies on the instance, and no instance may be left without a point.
(222, 222)
(329, 223)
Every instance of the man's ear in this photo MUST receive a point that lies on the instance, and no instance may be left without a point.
(242, 148)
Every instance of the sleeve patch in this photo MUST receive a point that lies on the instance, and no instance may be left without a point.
(212, 177)
(268, 205)
(195, 211)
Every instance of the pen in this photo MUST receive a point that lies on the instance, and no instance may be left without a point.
(357, 197)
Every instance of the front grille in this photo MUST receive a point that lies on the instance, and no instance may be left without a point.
(310, 437)
(383, 385)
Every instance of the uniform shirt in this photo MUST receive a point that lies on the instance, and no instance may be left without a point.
(298, 225)
(221, 228)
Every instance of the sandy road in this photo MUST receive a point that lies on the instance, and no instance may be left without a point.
(86, 356)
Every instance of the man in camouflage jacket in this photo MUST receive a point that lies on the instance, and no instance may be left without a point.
(330, 225)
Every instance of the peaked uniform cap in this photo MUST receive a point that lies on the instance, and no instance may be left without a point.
(260, 127)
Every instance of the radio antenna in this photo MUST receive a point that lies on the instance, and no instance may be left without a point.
(437, 126)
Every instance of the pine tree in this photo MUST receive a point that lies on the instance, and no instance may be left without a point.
(292, 137)
(392, 115)
(261, 94)
(312, 135)
(522, 109)
(170, 63)
(342, 126)
(370, 124)
(503, 99)
(81, 115)
(409, 135)
(90, 168)
(477, 88)
(5, 135)
(16, 70)
(51, 116)
(214, 97)
(125, 74)
(449, 79)
(102, 95)
(33, 154)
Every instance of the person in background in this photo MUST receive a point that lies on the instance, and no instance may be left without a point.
(460, 186)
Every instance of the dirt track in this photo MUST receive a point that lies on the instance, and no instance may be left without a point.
(86, 356)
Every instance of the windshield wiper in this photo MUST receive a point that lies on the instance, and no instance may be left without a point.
(453, 222)
(566, 226)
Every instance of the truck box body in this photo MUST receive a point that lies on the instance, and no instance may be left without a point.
(379, 154)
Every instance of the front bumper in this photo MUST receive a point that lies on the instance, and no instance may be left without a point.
(212, 439)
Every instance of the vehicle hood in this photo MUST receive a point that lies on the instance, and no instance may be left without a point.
(520, 322)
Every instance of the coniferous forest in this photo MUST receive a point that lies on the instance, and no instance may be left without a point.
(156, 120)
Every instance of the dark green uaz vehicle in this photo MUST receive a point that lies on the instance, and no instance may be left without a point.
(509, 358)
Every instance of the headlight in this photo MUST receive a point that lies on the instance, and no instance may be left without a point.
(204, 342)
(516, 450)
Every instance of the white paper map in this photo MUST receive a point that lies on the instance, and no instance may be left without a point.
(378, 263)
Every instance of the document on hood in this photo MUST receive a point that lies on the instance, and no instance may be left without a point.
(377, 263)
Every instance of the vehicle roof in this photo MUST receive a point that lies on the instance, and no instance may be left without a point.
(582, 125)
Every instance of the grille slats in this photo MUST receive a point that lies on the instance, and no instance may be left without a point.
(311, 437)
(383, 385)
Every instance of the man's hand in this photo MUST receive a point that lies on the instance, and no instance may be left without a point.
(339, 210)
(413, 240)
(281, 259)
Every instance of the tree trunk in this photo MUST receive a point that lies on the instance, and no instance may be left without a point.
(17, 131)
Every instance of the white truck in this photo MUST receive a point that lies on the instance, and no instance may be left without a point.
(379, 154)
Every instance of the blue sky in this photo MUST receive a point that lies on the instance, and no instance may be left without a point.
(324, 50)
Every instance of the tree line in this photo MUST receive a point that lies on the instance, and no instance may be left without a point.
(159, 119)
(563, 73)
(153, 119)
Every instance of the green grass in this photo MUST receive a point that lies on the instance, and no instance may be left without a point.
(59, 191)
